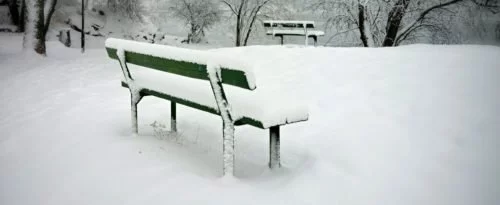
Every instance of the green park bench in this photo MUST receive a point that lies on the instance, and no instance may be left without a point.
(193, 64)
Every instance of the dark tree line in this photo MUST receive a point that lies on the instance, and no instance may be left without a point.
(17, 11)
(390, 22)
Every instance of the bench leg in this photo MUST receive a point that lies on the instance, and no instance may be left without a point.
(228, 148)
(173, 117)
(134, 102)
(227, 119)
(282, 41)
(274, 147)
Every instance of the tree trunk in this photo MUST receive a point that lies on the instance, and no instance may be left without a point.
(253, 17)
(29, 36)
(394, 21)
(240, 17)
(52, 9)
(22, 17)
(40, 27)
(361, 24)
(37, 25)
(238, 31)
(14, 12)
(366, 35)
(83, 27)
(249, 31)
(498, 32)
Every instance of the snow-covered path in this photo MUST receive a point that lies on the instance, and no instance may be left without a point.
(410, 125)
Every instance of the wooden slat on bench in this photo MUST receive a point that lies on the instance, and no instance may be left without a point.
(243, 121)
(229, 76)
(288, 24)
(295, 33)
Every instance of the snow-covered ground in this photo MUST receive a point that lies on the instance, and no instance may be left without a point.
(410, 125)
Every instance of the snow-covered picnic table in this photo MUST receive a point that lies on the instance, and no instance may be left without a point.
(283, 28)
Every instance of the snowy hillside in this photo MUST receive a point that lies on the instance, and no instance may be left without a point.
(408, 125)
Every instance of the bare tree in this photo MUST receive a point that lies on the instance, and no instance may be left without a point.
(359, 17)
(130, 8)
(405, 19)
(82, 34)
(246, 13)
(475, 25)
(199, 15)
(497, 32)
(38, 24)
(22, 17)
(364, 25)
(425, 19)
(14, 11)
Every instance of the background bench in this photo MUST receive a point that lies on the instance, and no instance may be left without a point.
(202, 66)
(282, 28)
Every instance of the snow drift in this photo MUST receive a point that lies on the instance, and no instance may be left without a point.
(409, 125)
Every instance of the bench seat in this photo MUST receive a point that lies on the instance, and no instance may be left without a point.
(294, 33)
(256, 108)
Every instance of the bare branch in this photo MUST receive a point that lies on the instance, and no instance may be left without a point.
(422, 16)
(230, 7)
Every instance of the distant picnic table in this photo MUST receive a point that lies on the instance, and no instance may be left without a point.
(283, 28)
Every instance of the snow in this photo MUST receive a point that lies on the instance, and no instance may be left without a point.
(182, 54)
(409, 125)
(272, 22)
(8, 28)
(296, 32)
(259, 104)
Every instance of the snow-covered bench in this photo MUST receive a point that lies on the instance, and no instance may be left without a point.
(195, 79)
(282, 28)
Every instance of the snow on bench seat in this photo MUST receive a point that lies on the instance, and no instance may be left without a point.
(252, 105)
(295, 32)
(270, 105)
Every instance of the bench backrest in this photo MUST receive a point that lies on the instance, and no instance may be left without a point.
(179, 61)
(288, 24)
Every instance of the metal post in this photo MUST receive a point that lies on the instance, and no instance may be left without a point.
(134, 101)
(173, 117)
(274, 147)
(305, 32)
(83, 27)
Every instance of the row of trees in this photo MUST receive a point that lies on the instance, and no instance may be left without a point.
(373, 23)
(391, 22)
(33, 17)
(201, 15)
(17, 10)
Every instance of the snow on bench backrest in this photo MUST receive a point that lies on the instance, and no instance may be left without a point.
(180, 61)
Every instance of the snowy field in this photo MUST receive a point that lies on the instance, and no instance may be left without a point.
(410, 125)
